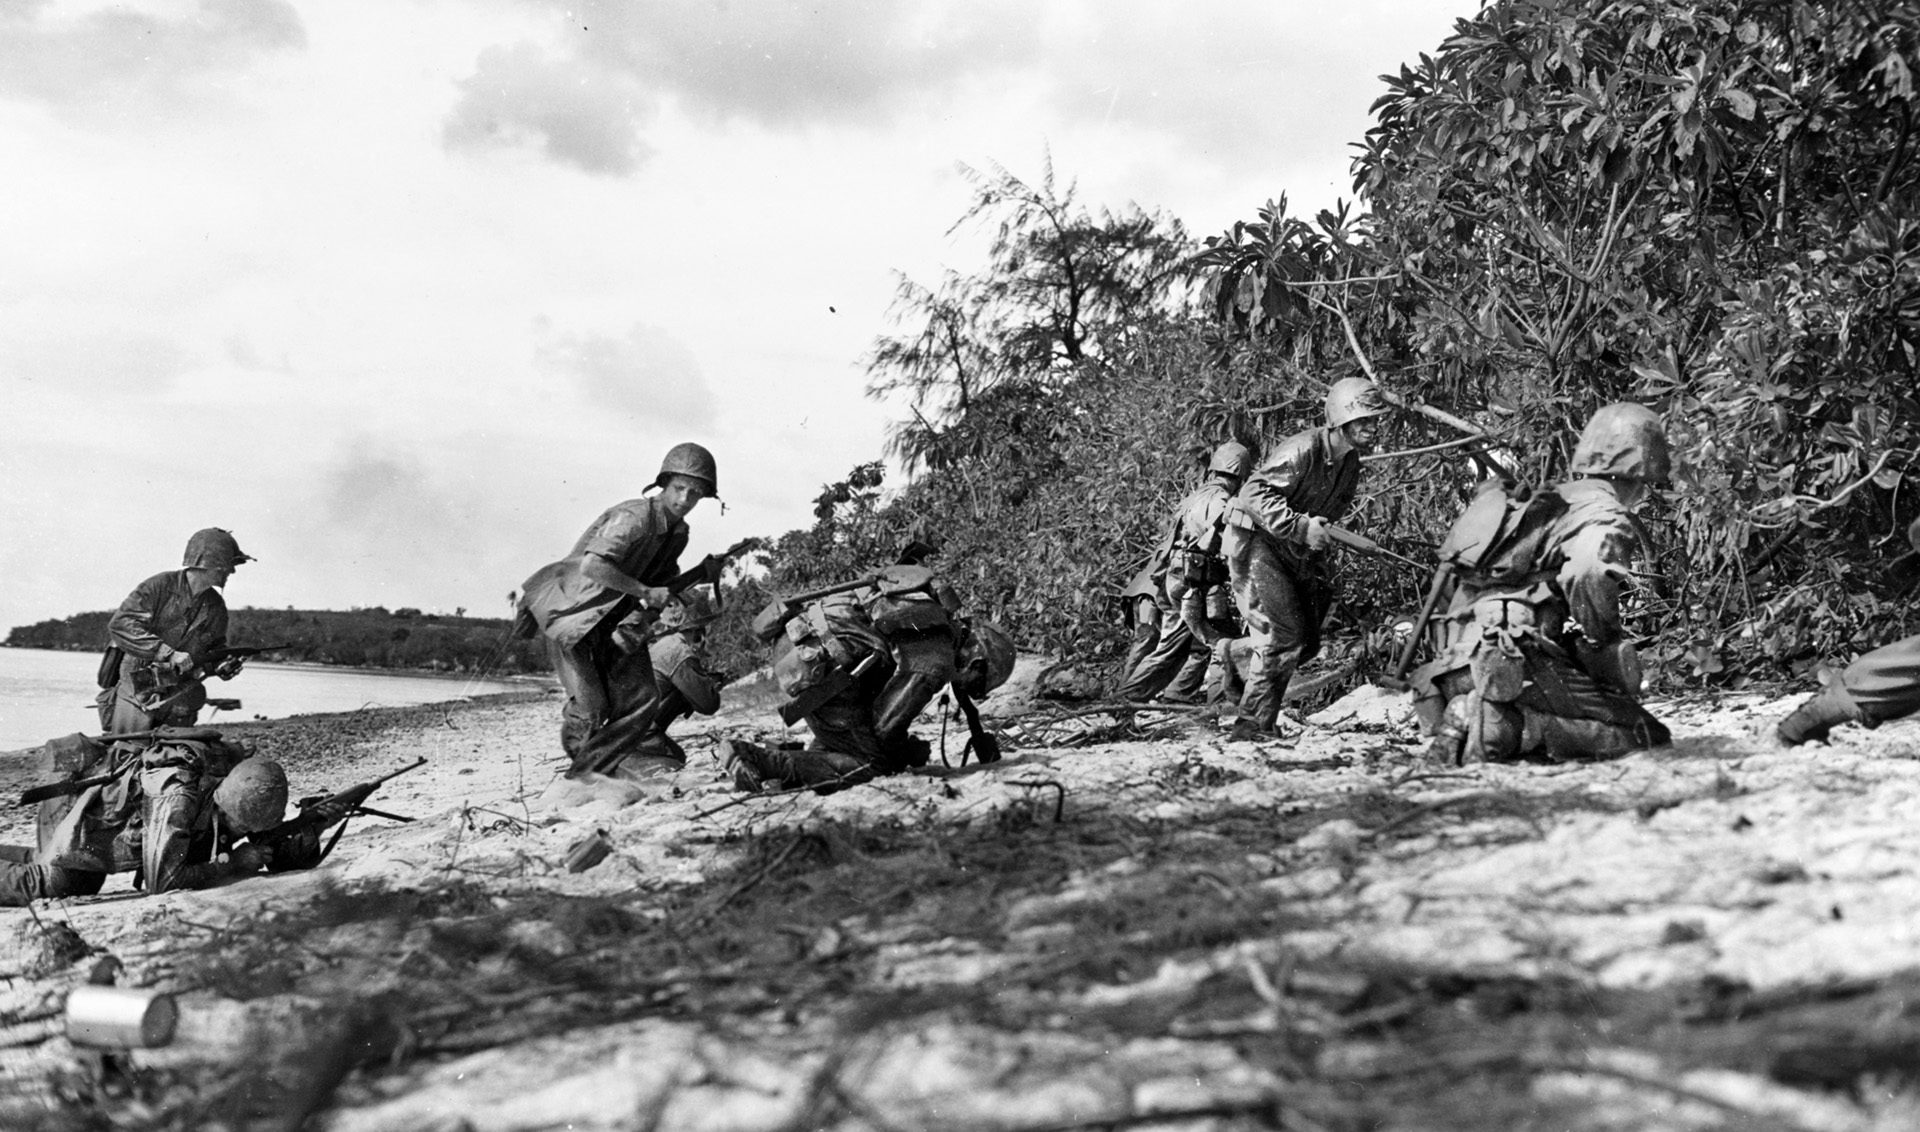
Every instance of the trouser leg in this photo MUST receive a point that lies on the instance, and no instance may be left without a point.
(1885, 683)
(1279, 622)
(1146, 639)
(586, 690)
(1171, 657)
(633, 705)
(22, 884)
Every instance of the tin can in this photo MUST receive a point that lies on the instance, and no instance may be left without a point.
(588, 851)
(120, 1017)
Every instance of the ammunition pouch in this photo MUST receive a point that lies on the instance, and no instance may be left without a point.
(109, 673)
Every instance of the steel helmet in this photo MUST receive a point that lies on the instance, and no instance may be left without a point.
(1623, 441)
(1233, 458)
(253, 795)
(214, 547)
(1352, 399)
(690, 459)
(992, 644)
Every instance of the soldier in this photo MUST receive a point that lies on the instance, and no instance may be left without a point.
(166, 639)
(176, 813)
(594, 608)
(1537, 663)
(861, 664)
(686, 687)
(1190, 586)
(1276, 531)
(1881, 685)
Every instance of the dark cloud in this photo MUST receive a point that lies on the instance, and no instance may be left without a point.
(111, 55)
(125, 363)
(646, 372)
(575, 112)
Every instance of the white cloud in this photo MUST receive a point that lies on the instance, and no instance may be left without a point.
(645, 372)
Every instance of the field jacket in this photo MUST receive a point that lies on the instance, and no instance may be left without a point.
(1300, 478)
(639, 537)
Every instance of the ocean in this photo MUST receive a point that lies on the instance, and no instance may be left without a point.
(44, 693)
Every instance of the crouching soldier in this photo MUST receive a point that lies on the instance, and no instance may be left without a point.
(174, 812)
(1536, 664)
(595, 607)
(1276, 531)
(1881, 685)
(860, 662)
(1191, 599)
(685, 684)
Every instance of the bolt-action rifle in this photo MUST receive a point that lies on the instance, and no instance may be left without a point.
(320, 811)
(1365, 545)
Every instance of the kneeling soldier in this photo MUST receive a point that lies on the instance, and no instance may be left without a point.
(1881, 685)
(861, 662)
(1537, 664)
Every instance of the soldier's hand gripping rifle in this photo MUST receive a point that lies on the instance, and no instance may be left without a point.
(321, 811)
(1365, 545)
(222, 662)
(708, 570)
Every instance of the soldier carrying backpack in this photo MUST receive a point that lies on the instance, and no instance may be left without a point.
(1534, 662)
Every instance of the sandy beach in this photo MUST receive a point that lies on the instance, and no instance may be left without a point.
(1127, 921)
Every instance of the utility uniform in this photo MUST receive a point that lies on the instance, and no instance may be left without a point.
(159, 625)
(158, 817)
(596, 635)
(685, 687)
(1192, 573)
(885, 652)
(1535, 661)
(1281, 585)
(1881, 685)
(161, 618)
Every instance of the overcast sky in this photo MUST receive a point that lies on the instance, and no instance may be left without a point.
(404, 292)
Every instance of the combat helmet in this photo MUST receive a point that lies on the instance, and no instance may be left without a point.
(691, 460)
(1232, 458)
(253, 795)
(213, 547)
(1352, 399)
(1623, 441)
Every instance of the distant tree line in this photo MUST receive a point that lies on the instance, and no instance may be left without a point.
(360, 638)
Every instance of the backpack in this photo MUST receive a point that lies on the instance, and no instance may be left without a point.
(1500, 537)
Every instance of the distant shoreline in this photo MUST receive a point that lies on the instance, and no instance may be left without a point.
(535, 678)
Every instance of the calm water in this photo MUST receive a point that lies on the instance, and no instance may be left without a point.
(45, 693)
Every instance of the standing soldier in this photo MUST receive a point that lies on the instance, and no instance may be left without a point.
(1537, 663)
(1191, 574)
(618, 572)
(1276, 531)
(167, 637)
(1881, 685)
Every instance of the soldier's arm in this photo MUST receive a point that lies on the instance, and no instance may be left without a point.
(131, 626)
(1264, 498)
(1595, 572)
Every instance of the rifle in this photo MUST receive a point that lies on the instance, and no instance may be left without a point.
(890, 580)
(1397, 679)
(707, 571)
(1365, 545)
(203, 667)
(37, 794)
(321, 810)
